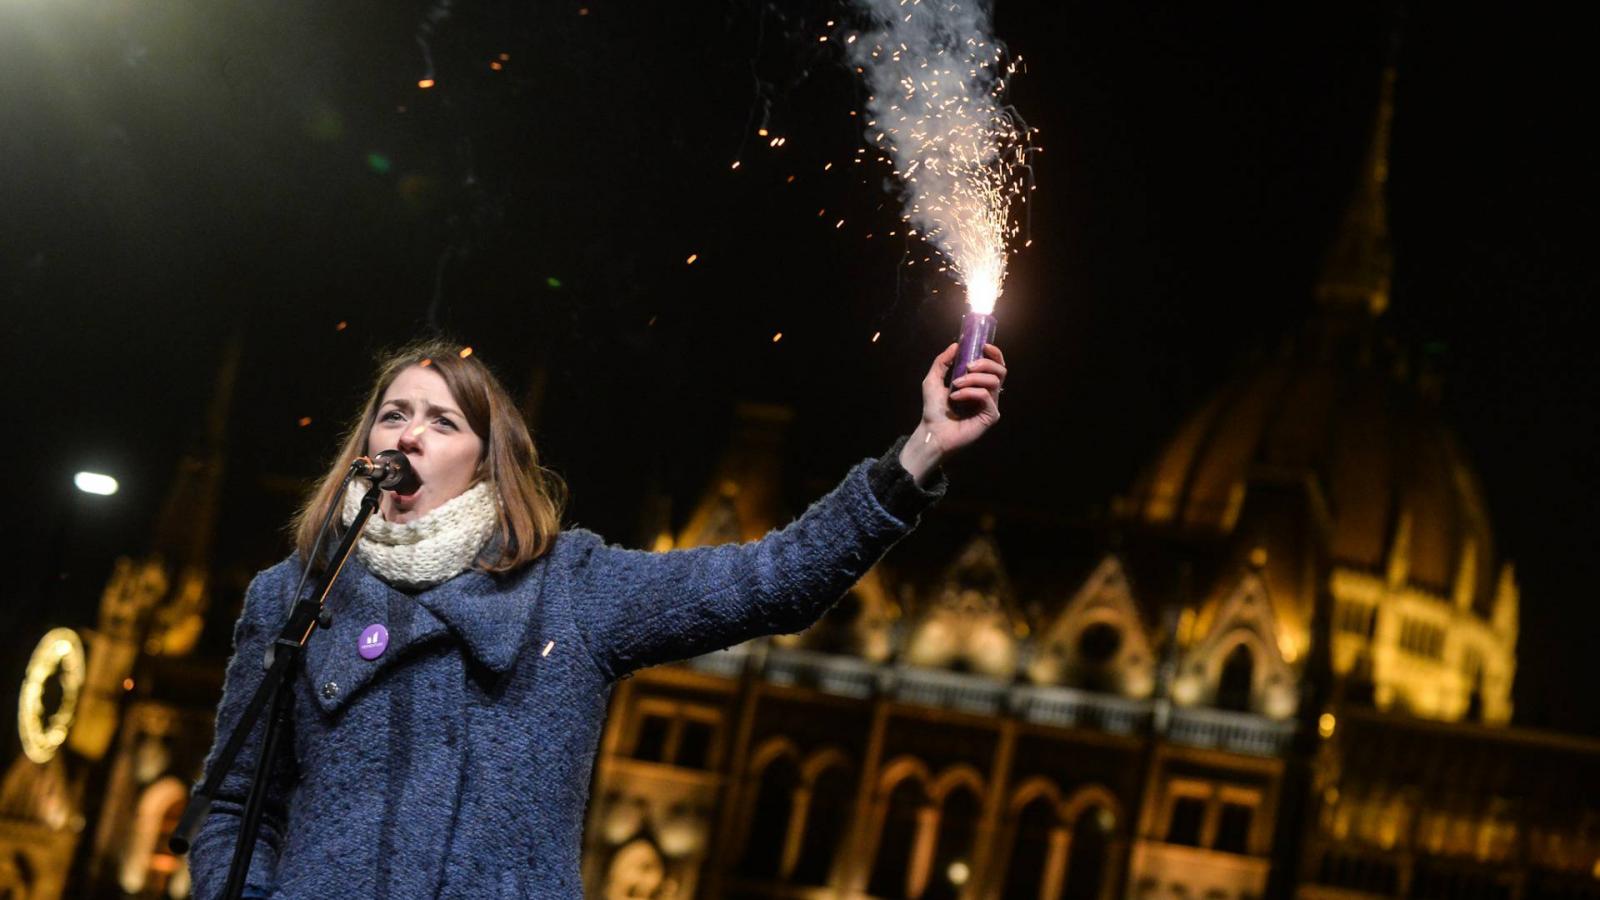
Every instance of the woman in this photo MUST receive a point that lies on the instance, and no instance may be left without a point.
(444, 725)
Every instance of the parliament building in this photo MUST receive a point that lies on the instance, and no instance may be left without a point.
(1281, 668)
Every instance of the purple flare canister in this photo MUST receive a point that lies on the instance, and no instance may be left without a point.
(977, 329)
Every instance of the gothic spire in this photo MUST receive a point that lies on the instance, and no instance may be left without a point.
(1358, 267)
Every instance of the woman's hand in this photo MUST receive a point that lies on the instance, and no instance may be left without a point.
(956, 416)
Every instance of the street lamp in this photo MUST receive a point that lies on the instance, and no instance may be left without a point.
(95, 483)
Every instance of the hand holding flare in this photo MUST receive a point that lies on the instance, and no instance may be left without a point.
(954, 416)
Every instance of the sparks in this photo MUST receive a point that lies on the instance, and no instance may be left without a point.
(691, 259)
(937, 109)
(465, 352)
(425, 83)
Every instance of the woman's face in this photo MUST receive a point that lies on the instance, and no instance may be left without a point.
(418, 416)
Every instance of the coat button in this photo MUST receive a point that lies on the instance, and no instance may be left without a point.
(330, 690)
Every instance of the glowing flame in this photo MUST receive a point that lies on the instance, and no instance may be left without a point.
(937, 81)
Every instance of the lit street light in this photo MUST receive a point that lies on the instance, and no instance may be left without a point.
(95, 483)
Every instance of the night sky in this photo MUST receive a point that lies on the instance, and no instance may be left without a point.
(172, 175)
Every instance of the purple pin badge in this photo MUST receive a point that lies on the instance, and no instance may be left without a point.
(374, 640)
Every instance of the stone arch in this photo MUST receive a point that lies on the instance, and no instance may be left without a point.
(1094, 822)
(1028, 845)
(770, 749)
(1032, 789)
(823, 759)
(769, 810)
(1245, 617)
(901, 802)
(768, 752)
(823, 808)
(1092, 795)
(954, 777)
(899, 769)
(954, 837)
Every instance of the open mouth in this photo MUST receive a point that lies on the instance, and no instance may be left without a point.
(407, 497)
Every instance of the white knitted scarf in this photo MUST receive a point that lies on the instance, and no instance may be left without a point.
(431, 550)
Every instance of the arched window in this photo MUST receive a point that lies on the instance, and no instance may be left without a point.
(1098, 646)
(1030, 851)
(952, 855)
(891, 864)
(769, 819)
(1238, 677)
(147, 867)
(827, 821)
(1475, 699)
(1087, 861)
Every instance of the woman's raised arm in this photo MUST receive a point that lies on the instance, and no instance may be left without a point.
(639, 608)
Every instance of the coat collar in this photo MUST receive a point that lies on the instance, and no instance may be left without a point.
(488, 615)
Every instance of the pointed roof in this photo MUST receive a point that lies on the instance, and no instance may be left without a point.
(1357, 270)
(161, 600)
(743, 502)
(185, 526)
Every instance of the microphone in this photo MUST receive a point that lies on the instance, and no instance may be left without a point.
(390, 470)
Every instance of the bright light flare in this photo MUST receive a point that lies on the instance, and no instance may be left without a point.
(958, 872)
(983, 282)
(95, 483)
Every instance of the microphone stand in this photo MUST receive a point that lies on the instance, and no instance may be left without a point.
(283, 660)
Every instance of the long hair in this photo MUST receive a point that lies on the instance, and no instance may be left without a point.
(531, 497)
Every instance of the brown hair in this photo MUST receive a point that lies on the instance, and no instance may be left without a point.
(531, 497)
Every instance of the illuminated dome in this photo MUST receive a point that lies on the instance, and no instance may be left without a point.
(1392, 475)
(1326, 470)
(1388, 517)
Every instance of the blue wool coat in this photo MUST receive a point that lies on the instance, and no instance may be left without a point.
(457, 763)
